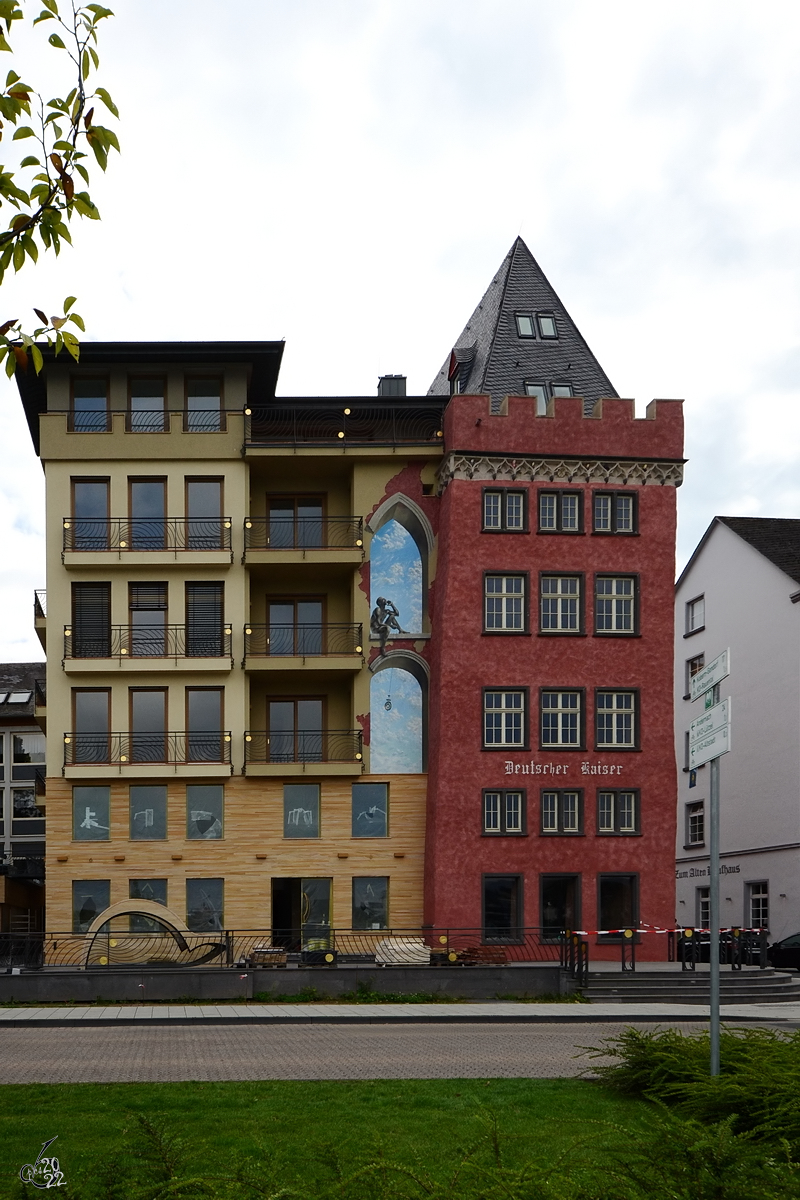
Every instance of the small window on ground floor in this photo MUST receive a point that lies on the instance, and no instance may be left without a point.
(502, 908)
(371, 902)
(204, 904)
(618, 904)
(89, 898)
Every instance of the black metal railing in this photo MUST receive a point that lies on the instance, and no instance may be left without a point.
(40, 605)
(149, 641)
(296, 641)
(316, 423)
(304, 746)
(131, 939)
(39, 693)
(154, 420)
(173, 748)
(737, 947)
(142, 533)
(304, 533)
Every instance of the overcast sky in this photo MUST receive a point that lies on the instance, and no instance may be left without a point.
(348, 175)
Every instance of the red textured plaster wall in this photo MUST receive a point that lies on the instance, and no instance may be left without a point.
(465, 660)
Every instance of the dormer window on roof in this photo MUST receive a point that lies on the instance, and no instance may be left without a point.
(18, 697)
(547, 325)
(525, 326)
(562, 389)
(539, 390)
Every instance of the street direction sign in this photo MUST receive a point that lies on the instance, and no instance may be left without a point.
(709, 676)
(713, 746)
(712, 721)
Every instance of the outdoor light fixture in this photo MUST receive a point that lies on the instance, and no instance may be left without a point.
(347, 412)
(359, 649)
(248, 524)
(228, 632)
(247, 737)
(123, 650)
(66, 525)
(227, 524)
(359, 757)
(227, 737)
(247, 412)
(359, 542)
(67, 741)
(67, 632)
(123, 758)
(341, 434)
(123, 545)
(248, 630)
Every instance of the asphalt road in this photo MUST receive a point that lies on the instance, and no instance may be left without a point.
(165, 1053)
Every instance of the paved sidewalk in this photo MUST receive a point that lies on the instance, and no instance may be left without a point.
(494, 1012)
(235, 1051)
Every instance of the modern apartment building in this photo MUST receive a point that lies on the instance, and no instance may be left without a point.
(22, 811)
(307, 654)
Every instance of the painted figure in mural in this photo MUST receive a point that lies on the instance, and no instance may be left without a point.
(384, 620)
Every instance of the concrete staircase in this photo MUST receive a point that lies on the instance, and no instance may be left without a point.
(692, 987)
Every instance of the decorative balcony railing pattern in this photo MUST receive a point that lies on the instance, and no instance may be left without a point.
(304, 533)
(154, 420)
(173, 749)
(140, 533)
(148, 641)
(304, 746)
(39, 693)
(314, 423)
(296, 641)
(40, 605)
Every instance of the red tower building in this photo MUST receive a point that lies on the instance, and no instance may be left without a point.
(552, 774)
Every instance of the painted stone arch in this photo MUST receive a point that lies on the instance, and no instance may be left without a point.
(399, 737)
(412, 519)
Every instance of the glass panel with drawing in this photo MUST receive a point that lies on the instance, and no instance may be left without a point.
(90, 814)
(148, 813)
(301, 810)
(204, 805)
(204, 904)
(371, 902)
(155, 892)
(370, 809)
(89, 898)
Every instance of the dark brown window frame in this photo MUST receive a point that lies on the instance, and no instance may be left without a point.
(546, 876)
(615, 939)
(581, 630)
(637, 739)
(616, 633)
(106, 479)
(503, 492)
(520, 926)
(149, 377)
(558, 531)
(526, 729)
(99, 378)
(561, 832)
(637, 808)
(614, 492)
(549, 747)
(223, 414)
(526, 604)
(503, 832)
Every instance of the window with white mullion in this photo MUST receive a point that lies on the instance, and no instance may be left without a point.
(561, 812)
(614, 600)
(491, 812)
(560, 604)
(504, 718)
(616, 719)
(504, 601)
(561, 718)
(503, 811)
(617, 812)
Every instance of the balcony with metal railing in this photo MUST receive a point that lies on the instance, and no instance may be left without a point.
(304, 539)
(202, 647)
(330, 646)
(304, 752)
(350, 424)
(40, 616)
(40, 703)
(201, 752)
(93, 540)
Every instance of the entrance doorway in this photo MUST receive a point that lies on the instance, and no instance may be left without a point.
(301, 911)
(560, 904)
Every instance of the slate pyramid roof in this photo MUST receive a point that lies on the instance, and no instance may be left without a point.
(493, 359)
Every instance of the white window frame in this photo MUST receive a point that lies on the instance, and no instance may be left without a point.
(507, 603)
(561, 603)
(562, 811)
(560, 518)
(618, 811)
(503, 811)
(510, 729)
(619, 605)
(507, 498)
(758, 904)
(567, 710)
(696, 822)
(696, 614)
(623, 719)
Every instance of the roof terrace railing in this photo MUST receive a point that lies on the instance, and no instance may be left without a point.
(317, 423)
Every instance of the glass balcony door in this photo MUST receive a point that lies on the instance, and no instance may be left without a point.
(295, 731)
(204, 725)
(148, 724)
(91, 724)
(295, 627)
(204, 514)
(295, 522)
(90, 514)
(148, 619)
(148, 509)
(147, 410)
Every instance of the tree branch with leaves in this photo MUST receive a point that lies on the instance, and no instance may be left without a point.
(67, 137)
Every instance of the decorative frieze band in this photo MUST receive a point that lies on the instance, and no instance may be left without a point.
(529, 469)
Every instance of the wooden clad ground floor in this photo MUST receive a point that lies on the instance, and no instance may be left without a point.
(243, 842)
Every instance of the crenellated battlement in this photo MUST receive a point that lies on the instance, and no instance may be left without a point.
(611, 430)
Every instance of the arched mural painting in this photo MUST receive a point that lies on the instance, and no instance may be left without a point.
(401, 544)
(399, 714)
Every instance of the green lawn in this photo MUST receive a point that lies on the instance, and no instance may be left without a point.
(298, 1129)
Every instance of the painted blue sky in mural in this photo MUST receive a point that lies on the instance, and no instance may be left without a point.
(396, 573)
(396, 734)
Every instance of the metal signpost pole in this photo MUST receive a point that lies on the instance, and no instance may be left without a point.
(713, 895)
(709, 739)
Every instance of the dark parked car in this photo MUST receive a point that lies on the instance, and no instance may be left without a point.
(786, 952)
